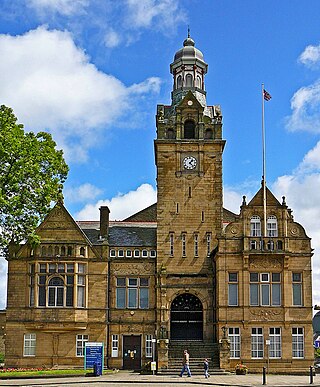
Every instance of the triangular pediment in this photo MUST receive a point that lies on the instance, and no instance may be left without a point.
(60, 225)
(257, 200)
(186, 102)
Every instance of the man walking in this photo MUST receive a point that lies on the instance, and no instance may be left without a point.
(185, 367)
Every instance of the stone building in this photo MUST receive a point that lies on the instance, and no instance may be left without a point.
(184, 272)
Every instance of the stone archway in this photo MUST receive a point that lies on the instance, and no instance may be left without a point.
(186, 321)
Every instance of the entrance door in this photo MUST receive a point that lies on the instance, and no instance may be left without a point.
(131, 352)
(186, 318)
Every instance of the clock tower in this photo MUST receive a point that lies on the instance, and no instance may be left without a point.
(188, 153)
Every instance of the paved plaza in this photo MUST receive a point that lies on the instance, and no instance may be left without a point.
(130, 379)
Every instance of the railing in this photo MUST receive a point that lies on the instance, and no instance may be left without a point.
(268, 244)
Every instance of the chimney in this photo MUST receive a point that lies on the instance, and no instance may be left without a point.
(104, 221)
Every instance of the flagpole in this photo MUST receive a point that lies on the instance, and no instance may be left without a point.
(264, 168)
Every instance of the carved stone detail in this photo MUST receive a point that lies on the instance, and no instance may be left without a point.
(265, 315)
(133, 268)
(265, 263)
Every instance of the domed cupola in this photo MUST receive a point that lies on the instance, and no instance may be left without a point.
(188, 70)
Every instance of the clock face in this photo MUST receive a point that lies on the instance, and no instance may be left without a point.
(189, 162)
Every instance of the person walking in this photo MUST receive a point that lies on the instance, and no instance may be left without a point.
(206, 368)
(185, 367)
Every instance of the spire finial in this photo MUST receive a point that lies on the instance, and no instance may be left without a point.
(188, 31)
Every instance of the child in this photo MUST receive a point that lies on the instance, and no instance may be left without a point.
(206, 368)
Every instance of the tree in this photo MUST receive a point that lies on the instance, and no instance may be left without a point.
(32, 173)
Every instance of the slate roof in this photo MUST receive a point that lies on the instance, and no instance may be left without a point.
(125, 234)
(138, 230)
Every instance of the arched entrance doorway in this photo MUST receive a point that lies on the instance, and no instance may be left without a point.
(186, 318)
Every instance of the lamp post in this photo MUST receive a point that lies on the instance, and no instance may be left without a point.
(268, 346)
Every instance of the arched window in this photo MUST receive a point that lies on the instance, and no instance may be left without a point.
(279, 245)
(69, 251)
(189, 80)
(63, 250)
(255, 226)
(82, 251)
(198, 82)
(179, 81)
(208, 134)
(272, 226)
(56, 250)
(55, 292)
(43, 251)
(189, 129)
(50, 251)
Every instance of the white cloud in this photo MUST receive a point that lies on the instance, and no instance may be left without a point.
(63, 7)
(112, 39)
(84, 192)
(305, 106)
(122, 205)
(51, 84)
(163, 15)
(310, 56)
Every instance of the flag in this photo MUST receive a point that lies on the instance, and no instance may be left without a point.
(266, 95)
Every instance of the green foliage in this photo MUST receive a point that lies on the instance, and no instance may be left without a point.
(317, 352)
(32, 173)
(1, 357)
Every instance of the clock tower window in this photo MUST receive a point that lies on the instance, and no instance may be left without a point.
(189, 80)
(189, 129)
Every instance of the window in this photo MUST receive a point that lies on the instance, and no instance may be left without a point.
(297, 289)
(183, 239)
(112, 253)
(57, 284)
(81, 341)
(132, 293)
(82, 251)
(265, 289)
(255, 226)
(32, 285)
(198, 82)
(129, 253)
(149, 345)
(297, 343)
(115, 346)
(196, 245)
(208, 237)
(272, 226)
(275, 343)
(29, 344)
(136, 253)
(144, 253)
(189, 129)
(153, 253)
(171, 241)
(120, 253)
(179, 81)
(256, 343)
(234, 337)
(189, 80)
(233, 289)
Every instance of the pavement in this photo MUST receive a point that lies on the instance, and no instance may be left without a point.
(131, 379)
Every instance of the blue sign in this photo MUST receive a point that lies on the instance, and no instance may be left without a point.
(317, 344)
(93, 357)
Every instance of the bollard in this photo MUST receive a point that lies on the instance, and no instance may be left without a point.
(311, 375)
(264, 376)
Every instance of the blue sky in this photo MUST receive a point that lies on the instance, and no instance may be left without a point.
(92, 72)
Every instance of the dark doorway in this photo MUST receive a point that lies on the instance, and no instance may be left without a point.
(186, 318)
(131, 352)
